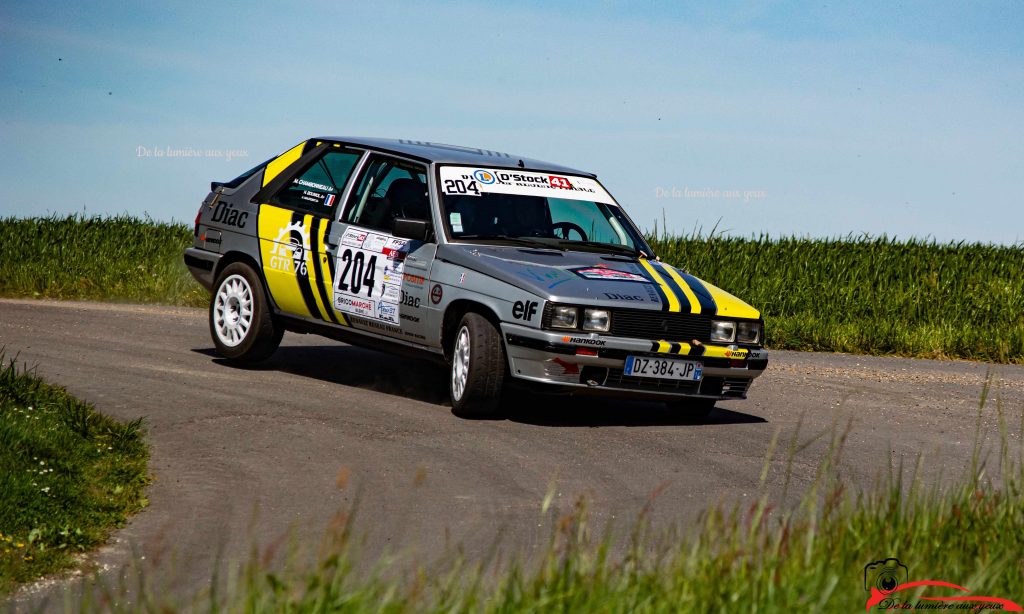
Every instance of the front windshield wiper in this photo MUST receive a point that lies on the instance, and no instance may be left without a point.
(614, 247)
(527, 241)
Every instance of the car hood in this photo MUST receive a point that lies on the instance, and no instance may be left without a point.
(590, 278)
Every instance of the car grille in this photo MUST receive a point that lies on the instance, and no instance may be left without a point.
(645, 324)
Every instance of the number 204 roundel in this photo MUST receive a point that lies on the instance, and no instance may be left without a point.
(369, 275)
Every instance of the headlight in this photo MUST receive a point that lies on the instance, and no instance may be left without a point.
(599, 320)
(723, 330)
(748, 332)
(563, 316)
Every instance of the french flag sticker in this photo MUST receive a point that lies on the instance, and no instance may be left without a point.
(329, 201)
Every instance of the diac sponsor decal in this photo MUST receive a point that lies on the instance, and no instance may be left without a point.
(225, 213)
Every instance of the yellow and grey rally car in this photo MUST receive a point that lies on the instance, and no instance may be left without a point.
(506, 268)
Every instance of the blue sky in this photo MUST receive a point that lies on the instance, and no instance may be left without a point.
(807, 119)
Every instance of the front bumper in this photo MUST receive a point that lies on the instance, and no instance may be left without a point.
(594, 363)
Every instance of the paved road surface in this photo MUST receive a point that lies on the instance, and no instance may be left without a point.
(241, 454)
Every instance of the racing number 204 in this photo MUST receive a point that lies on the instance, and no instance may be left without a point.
(356, 272)
(458, 186)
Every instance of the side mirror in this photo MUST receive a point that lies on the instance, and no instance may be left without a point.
(407, 228)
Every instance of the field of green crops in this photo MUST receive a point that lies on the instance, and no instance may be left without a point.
(855, 294)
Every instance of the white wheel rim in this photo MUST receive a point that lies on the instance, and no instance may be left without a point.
(460, 364)
(232, 310)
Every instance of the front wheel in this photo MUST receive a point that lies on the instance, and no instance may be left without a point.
(478, 368)
(242, 327)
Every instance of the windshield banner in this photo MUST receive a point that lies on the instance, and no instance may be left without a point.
(475, 181)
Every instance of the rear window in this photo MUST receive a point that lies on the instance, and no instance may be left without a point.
(237, 181)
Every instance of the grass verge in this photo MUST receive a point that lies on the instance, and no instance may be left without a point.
(857, 294)
(68, 475)
(754, 557)
(97, 258)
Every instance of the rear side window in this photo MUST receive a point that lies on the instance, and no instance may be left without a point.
(318, 189)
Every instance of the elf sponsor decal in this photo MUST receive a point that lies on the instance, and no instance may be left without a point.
(603, 272)
(288, 253)
(583, 341)
(471, 181)
(524, 310)
(225, 213)
(369, 267)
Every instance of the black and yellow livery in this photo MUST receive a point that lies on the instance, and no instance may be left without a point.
(505, 268)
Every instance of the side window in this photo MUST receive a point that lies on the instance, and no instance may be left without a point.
(318, 188)
(389, 189)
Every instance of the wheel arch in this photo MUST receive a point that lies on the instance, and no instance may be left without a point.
(453, 315)
(238, 256)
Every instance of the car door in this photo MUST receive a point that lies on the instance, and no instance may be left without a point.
(380, 279)
(293, 225)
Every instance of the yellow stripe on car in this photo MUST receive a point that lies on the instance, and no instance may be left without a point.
(690, 296)
(311, 257)
(278, 264)
(673, 301)
(729, 305)
(278, 164)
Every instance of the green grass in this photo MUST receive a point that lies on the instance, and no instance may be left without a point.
(856, 294)
(870, 295)
(753, 557)
(92, 258)
(68, 475)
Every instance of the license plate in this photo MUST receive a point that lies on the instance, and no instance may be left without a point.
(663, 368)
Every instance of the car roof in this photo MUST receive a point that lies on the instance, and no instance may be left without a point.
(454, 154)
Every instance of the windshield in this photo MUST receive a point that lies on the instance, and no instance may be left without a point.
(538, 209)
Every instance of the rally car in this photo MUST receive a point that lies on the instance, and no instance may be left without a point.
(508, 269)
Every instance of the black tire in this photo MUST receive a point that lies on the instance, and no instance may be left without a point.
(694, 409)
(237, 285)
(484, 375)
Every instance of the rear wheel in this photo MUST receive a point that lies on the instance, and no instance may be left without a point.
(695, 409)
(478, 368)
(242, 327)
